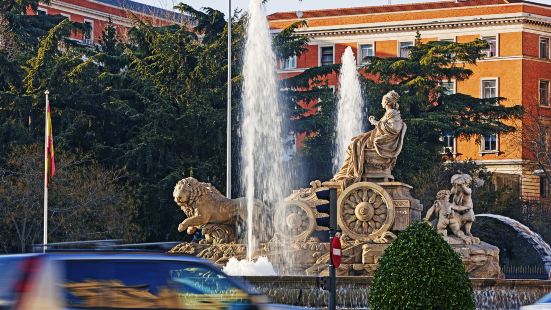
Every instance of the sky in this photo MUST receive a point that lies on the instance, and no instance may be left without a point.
(285, 5)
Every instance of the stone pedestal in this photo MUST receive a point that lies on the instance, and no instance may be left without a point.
(407, 209)
(480, 260)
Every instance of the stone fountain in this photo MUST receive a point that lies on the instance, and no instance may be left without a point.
(372, 208)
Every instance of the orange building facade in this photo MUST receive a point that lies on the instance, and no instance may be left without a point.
(517, 66)
(97, 13)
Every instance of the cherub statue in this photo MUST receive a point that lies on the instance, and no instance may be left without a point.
(446, 216)
(463, 202)
(442, 207)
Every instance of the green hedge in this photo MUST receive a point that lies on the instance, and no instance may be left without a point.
(421, 271)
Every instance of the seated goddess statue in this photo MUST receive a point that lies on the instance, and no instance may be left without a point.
(372, 155)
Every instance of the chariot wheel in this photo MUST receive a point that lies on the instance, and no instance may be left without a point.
(365, 211)
(295, 220)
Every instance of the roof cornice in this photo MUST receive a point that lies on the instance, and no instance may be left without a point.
(425, 26)
(106, 16)
(75, 8)
(394, 9)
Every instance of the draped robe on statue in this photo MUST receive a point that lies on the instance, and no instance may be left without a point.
(383, 143)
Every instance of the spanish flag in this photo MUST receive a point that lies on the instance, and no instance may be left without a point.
(49, 143)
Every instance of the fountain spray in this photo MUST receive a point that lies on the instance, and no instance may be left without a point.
(349, 108)
(262, 128)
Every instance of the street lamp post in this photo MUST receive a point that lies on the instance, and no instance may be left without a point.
(228, 117)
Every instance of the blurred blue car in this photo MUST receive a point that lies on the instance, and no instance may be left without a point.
(542, 303)
(114, 280)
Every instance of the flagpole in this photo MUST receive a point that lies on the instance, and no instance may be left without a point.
(46, 130)
(228, 112)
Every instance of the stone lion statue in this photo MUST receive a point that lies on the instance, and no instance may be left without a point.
(207, 209)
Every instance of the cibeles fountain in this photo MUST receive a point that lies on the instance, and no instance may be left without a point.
(372, 208)
(273, 229)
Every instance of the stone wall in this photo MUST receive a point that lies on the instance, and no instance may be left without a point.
(353, 292)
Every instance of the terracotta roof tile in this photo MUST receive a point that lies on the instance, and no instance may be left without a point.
(392, 8)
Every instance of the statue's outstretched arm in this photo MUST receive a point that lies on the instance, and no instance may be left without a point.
(373, 121)
(430, 211)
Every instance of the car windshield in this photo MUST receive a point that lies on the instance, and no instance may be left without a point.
(150, 285)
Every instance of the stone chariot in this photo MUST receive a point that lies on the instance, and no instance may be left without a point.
(371, 205)
(366, 211)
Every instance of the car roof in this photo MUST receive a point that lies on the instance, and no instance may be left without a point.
(112, 255)
(24, 255)
(118, 255)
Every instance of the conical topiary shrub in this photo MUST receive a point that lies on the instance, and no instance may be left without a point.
(421, 271)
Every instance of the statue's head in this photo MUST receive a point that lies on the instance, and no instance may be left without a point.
(443, 194)
(461, 179)
(188, 190)
(183, 191)
(391, 100)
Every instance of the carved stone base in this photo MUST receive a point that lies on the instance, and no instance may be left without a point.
(294, 258)
(480, 260)
(407, 208)
(219, 254)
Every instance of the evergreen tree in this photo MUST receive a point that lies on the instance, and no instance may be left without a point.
(420, 270)
(154, 106)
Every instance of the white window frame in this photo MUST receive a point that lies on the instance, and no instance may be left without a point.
(92, 32)
(284, 62)
(548, 93)
(448, 39)
(483, 141)
(454, 82)
(548, 47)
(497, 44)
(496, 79)
(42, 10)
(319, 52)
(359, 49)
(400, 45)
(454, 146)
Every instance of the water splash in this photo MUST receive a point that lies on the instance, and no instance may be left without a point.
(262, 148)
(542, 248)
(349, 108)
(245, 267)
